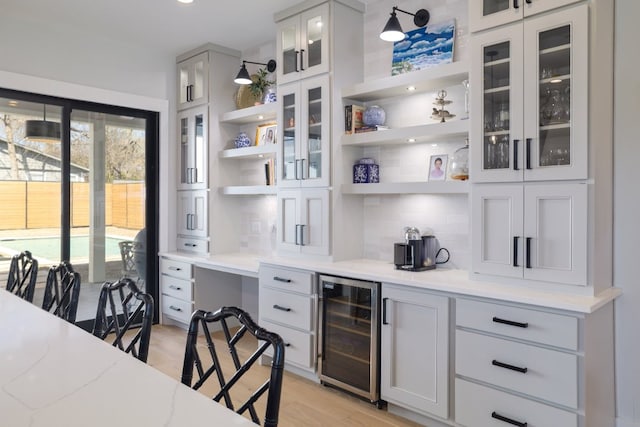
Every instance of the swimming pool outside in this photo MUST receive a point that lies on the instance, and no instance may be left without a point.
(48, 248)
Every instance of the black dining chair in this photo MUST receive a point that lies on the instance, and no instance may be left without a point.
(208, 363)
(23, 273)
(121, 308)
(62, 291)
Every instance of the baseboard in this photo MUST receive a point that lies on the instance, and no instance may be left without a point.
(626, 423)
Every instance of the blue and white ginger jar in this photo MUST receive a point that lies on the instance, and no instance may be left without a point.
(242, 140)
(374, 116)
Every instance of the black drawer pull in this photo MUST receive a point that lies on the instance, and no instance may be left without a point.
(190, 245)
(287, 344)
(279, 307)
(507, 366)
(175, 268)
(177, 288)
(281, 279)
(497, 416)
(510, 322)
(174, 308)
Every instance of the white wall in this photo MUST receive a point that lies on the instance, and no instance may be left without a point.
(626, 208)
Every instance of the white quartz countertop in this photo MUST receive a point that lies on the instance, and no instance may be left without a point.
(53, 373)
(456, 282)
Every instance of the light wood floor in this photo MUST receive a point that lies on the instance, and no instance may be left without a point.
(303, 402)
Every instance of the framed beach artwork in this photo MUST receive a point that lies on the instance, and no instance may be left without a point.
(424, 48)
(438, 167)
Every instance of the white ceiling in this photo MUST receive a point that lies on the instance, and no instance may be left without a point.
(161, 25)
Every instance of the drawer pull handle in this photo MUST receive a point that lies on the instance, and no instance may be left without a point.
(174, 287)
(279, 307)
(281, 279)
(174, 308)
(497, 416)
(190, 245)
(175, 268)
(507, 366)
(510, 322)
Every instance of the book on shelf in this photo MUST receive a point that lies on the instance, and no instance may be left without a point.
(352, 117)
(270, 172)
(373, 128)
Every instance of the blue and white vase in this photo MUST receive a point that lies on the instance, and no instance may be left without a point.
(374, 116)
(269, 96)
(242, 140)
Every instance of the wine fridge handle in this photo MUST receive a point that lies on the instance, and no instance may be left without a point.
(384, 311)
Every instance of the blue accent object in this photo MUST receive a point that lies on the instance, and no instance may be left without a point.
(242, 140)
(374, 116)
(270, 97)
(366, 173)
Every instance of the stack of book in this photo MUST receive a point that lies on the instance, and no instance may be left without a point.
(353, 118)
(372, 128)
(270, 172)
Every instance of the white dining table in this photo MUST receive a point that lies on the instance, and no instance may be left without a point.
(53, 373)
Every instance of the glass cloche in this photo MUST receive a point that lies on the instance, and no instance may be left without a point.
(460, 163)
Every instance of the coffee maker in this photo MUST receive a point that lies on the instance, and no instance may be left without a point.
(417, 253)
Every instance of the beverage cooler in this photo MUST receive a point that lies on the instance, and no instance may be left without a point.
(349, 350)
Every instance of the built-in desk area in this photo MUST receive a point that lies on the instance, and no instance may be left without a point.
(53, 373)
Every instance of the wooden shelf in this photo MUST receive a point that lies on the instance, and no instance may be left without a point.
(426, 80)
(455, 130)
(248, 190)
(433, 187)
(253, 114)
(253, 151)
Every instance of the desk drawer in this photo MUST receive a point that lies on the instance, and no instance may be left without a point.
(173, 268)
(286, 279)
(286, 308)
(178, 288)
(177, 309)
(197, 246)
(299, 345)
(550, 375)
(478, 406)
(521, 323)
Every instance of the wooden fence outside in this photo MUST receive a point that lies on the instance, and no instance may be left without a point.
(30, 204)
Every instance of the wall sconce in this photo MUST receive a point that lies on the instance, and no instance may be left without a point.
(243, 77)
(392, 32)
(42, 130)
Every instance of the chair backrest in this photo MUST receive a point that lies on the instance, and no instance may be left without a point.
(121, 307)
(62, 291)
(128, 263)
(23, 273)
(267, 339)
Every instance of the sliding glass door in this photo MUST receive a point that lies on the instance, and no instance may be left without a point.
(88, 197)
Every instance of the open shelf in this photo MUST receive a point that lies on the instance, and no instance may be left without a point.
(248, 190)
(253, 114)
(433, 132)
(252, 151)
(426, 80)
(433, 187)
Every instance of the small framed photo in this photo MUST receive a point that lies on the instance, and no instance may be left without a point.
(438, 167)
(266, 134)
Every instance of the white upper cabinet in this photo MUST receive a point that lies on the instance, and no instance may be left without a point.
(304, 142)
(193, 81)
(530, 91)
(536, 232)
(303, 44)
(485, 14)
(193, 139)
(193, 220)
(303, 221)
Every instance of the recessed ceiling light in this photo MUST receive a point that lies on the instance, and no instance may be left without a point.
(434, 145)
(185, 1)
(260, 117)
(411, 140)
(411, 88)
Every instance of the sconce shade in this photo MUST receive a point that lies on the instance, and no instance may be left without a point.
(243, 77)
(392, 32)
(42, 130)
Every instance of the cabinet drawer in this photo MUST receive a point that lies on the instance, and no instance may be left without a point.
(478, 406)
(545, 328)
(177, 288)
(290, 280)
(197, 246)
(547, 374)
(173, 268)
(177, 309)
(299, 345)
(288, 309)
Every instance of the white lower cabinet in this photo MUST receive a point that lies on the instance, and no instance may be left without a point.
(415, 350)
(176, 287)
(287, 304)
(303, 217)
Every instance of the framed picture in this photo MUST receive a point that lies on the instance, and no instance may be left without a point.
(424, 48)
(438, 167)
(266, 134)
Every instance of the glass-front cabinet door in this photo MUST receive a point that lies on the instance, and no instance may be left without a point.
(192, 137)
(304, 146)
(193, 81)
(303, 44)
(556, 95)
(496, 87)
(485, 14)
